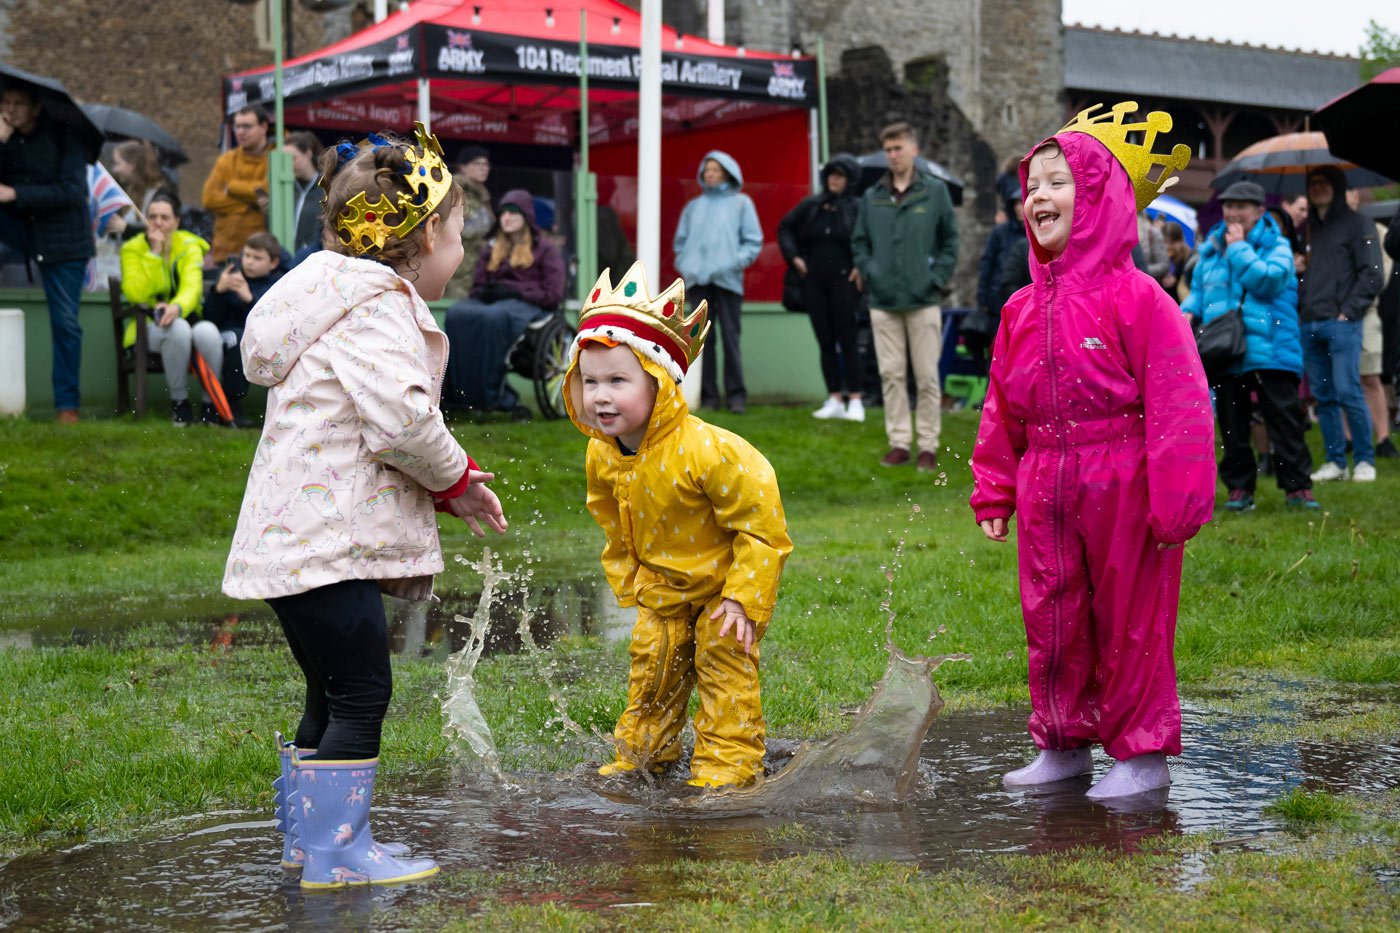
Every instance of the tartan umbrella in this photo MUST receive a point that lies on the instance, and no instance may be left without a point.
(1363, 125)
(1280, 165)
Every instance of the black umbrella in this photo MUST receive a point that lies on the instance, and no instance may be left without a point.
(874, 164)
(1363, 125)
(120, 123)
(55, 100)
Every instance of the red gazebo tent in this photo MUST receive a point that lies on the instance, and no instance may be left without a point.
(508, 71)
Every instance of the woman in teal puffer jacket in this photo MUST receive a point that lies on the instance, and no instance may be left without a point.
(1247, 263)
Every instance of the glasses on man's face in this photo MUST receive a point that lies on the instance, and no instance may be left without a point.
(244, 127)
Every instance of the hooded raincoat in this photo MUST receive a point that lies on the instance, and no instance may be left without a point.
(718, 235)
(694, 516)
(353, 440)
(1097, 432)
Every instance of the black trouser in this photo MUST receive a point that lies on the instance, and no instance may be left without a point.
(831, 300)
(1282, 409)
(339, 636)
(724, 312)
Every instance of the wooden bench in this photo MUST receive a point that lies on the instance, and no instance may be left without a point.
(136, 361)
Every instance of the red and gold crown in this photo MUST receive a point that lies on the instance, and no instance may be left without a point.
(1137, 159)
(361, 225)
(658, 328)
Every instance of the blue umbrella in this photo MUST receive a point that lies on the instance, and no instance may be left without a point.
(1178, 212)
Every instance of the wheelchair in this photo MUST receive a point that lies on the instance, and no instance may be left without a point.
(541, 355)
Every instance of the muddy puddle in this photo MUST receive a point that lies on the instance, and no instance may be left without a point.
(419, 629)
(219, 870)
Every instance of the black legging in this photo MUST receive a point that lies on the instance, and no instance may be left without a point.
(339, 636)
(831, 301)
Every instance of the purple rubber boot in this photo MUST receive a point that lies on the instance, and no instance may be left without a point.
(1050, 766)
(292, 855)
(1132, 776)
(329, 818)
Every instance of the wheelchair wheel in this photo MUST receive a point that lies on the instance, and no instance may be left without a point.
(550, 363)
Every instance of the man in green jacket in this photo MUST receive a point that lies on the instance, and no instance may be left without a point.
(905, 246)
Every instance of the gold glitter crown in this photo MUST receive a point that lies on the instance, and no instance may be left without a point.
(361, 225)
(660, 326)
(1137, 159)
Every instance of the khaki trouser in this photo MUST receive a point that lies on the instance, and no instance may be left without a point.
(670, 657)
(901, 337)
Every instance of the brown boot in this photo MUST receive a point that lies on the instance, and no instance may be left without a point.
(897, 456)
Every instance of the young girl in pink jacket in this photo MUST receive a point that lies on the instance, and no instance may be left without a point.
(353, 461)
(1097, 433)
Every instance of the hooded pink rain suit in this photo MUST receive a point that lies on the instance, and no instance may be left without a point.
(1097, 432)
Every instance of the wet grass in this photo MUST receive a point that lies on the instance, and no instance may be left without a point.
(1327, 880)
(1306, 806)
(114, 522)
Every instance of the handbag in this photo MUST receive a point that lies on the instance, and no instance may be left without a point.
(1221, 342)
(792, 290)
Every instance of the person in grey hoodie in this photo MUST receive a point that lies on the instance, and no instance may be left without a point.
(718, 237)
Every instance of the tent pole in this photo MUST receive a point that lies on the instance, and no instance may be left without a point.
(279, 164)
(821, 100)
(649, 143)
(585, 186)
(425, 104)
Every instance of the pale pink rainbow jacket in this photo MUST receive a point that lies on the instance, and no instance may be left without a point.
(353, 439)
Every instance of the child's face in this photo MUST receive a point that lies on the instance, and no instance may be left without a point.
(256, 262)
(618, 395)
(1050, 199)
(435, 268)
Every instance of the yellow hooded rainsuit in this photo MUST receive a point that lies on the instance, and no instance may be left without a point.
(692, 517)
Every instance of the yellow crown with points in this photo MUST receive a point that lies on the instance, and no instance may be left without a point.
(361, 224)
(657, 327)
(1137, 159)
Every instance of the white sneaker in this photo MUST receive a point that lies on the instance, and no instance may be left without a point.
(1363, 472)
(855, 410)
(831, 408)
(1331, 471)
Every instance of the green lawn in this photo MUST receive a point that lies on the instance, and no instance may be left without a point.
(120, 521)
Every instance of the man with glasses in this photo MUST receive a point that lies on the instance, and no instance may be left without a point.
(236, 190)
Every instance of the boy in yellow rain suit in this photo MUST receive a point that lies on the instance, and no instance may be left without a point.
(696, 537)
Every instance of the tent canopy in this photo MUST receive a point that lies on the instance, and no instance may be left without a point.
(507, 70)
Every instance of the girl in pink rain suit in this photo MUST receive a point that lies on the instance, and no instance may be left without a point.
(1097, 434)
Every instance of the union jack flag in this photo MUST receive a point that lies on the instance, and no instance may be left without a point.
(458, 40)
(105, 196)
(784, 70)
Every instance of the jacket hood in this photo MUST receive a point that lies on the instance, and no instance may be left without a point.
(1104, 229)
(670, 408)
(1338, 180)
(523, 201)
(726, 162)
(323, 288)
(846, 165)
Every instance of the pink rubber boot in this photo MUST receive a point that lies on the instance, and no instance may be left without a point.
(1132, 776)
(1051, 766)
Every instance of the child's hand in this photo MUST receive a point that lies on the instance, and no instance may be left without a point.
(734, 616)
(994, 529)
(479, 504)
(1167, 547)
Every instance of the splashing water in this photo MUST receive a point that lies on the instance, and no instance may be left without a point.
(465, 721)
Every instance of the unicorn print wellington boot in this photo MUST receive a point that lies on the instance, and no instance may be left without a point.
(1051, 765)
(329, 816)
(282, 789)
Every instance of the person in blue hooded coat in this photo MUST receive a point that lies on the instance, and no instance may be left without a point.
(718, 237)
(1246, 262)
